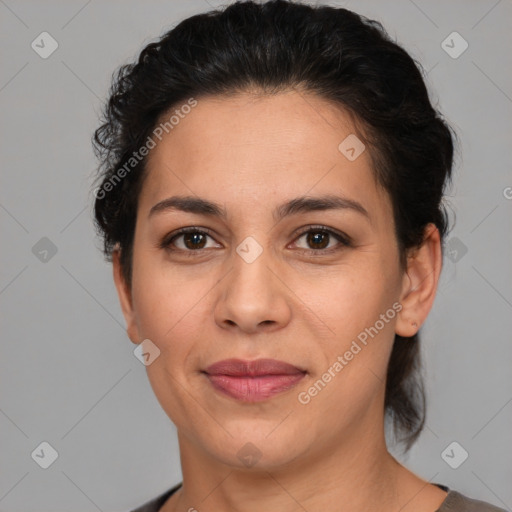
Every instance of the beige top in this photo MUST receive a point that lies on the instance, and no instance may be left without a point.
(454, 502)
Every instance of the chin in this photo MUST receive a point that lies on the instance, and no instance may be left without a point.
(254, 448)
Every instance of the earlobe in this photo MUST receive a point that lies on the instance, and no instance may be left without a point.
(419, 284)
(125, 297)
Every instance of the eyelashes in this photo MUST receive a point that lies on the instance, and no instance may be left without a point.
(342, 239)
(168, 242)
(194, 240)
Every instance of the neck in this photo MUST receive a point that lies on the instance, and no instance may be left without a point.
(356, 474)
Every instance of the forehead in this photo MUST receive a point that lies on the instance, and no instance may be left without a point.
(258, 150)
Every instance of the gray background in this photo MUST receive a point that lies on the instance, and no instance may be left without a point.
(68, 373)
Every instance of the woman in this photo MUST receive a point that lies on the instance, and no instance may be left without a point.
(270, 197)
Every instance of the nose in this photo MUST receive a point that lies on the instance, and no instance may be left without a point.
(252, 298)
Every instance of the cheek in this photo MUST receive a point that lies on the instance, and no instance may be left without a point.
(164, 301)
(348, 299)
(359, 305)
(170, 312)
(351, 374)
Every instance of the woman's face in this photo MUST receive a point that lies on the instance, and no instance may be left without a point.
(266, 276)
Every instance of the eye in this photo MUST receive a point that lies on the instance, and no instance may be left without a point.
(317, 239)
(322, 239)
(187, 239)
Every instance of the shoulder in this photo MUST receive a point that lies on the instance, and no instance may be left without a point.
(457, 502)
(156, 503)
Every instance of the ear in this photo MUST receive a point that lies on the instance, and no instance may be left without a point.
(125, 298)
(419, 285)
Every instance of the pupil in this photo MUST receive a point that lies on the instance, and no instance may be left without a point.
(191, 240)
(318, 240)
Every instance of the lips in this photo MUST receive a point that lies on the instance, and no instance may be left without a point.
(241, 368)
(253, 381)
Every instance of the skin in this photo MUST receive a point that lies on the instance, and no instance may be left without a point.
(251, 153)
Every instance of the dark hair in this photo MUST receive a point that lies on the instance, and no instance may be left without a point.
(279, 45)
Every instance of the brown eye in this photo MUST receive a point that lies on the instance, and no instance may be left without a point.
(187, 240)
(322, 240)
(318, 239)
(195, 240)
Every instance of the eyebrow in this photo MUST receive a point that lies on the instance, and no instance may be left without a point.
(302, 204)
